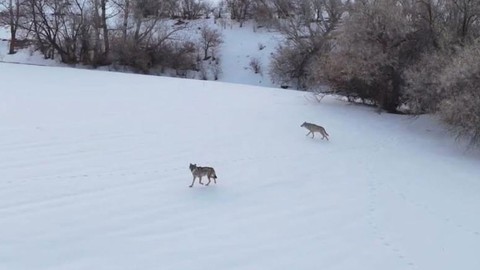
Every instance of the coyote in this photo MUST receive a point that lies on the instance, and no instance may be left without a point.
(202, 171)
(312, 128)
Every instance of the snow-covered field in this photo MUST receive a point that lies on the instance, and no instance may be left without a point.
(94, 175)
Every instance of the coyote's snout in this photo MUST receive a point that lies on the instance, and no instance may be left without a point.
(202, 171)
(312, 128)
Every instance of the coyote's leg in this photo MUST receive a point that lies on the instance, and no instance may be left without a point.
(313, 134)
(308, 133)
(200, 181)
(192, 182)
(208, 176)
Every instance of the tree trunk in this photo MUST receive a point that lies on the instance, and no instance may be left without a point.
(13, 26)
(106, 42)
(206, 53)
(391, 97)
(97, 55)
(13, 41)
(125, 19)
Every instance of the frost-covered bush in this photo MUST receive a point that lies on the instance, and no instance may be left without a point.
(461, 83)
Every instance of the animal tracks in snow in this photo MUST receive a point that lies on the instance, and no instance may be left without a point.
(379, 232)
(428, 210)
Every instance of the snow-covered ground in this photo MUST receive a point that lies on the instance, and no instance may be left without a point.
(241, 45)
(94, 175)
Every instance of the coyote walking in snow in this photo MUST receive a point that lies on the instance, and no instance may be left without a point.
(312, 128)
(202, 171)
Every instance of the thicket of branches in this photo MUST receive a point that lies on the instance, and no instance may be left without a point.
(140, 34)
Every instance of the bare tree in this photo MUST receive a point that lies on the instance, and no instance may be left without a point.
(307, 37)
(239, 9)
(149, 39)
(191, 9)
(209, 38)
(216, 69)
(100, 26)
(125, 10)
(255, 65)
(423, 92)
(207, 9)
(371, 51)
(465, 15)
(11, 14)
(58, 26)
(460, 83)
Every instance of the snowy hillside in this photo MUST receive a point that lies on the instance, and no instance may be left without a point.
(240, 45)
(95, 175)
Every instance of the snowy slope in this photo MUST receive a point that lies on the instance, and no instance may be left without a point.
(94, 175)
(240, 45)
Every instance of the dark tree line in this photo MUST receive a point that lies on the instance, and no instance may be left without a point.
(136, 33)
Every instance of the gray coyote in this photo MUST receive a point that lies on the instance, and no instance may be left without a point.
(312, 128)
(202, 171)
